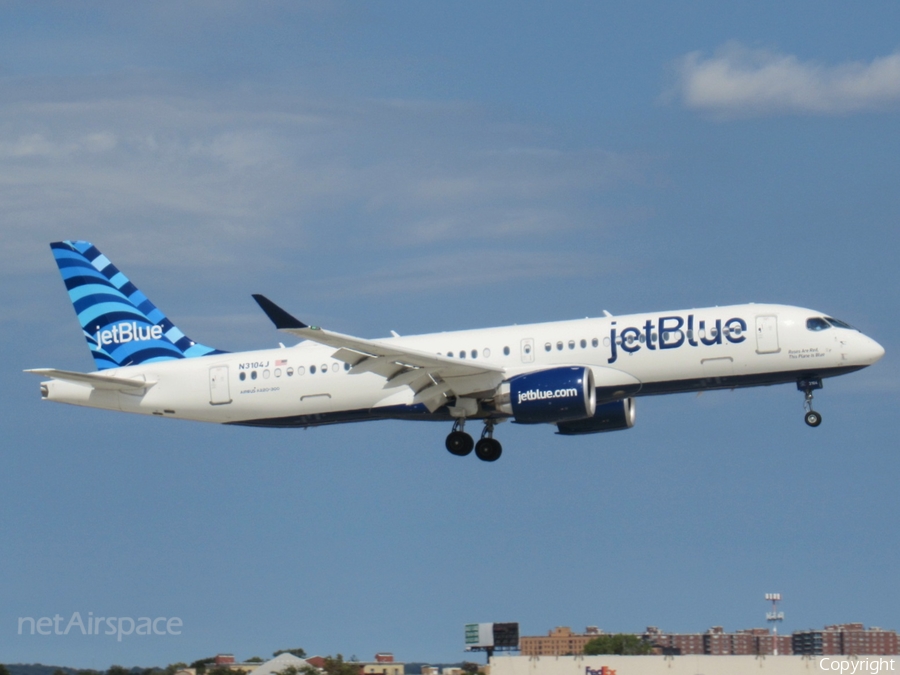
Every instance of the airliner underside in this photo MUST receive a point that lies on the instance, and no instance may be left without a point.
(582, 376)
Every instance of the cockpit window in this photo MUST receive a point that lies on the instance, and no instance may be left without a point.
(837, 323)
(817, 323)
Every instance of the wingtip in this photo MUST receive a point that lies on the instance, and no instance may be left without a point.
(276, 314)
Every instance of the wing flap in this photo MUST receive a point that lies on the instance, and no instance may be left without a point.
(379, 366)
(433, 396)
(350, 356)
(407, 377)
(473, 383)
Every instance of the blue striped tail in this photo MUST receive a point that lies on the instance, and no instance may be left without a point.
(122, 327)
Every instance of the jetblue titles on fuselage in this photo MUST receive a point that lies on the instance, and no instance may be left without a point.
(672, 332)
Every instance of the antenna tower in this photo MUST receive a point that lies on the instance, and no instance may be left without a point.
(773, 618)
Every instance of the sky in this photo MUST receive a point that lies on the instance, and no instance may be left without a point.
(424, 167)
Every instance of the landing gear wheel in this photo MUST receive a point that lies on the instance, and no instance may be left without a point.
(807, 386)
(488, 450)
(459, 443)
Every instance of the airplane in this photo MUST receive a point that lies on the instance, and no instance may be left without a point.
(582, 376)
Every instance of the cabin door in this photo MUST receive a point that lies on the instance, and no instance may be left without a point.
(767, 335)
(218, 385)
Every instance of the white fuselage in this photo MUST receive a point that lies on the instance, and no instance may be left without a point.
(638, 354)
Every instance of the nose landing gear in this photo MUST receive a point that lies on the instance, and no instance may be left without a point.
(812, 418)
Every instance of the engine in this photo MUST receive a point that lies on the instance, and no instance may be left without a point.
(607, 417)
(549, 396)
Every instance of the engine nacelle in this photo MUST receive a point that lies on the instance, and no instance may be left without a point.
(608, 417)
(549, 396)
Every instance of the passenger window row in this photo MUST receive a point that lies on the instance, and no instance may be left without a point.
(582, 343)
(301, 370)
(486, 352)
(462, 353)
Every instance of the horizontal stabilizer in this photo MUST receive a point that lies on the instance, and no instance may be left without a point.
(92, 379)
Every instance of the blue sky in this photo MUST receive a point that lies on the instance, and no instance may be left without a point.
(422, 167)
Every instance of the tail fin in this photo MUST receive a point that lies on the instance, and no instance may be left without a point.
(122, 327)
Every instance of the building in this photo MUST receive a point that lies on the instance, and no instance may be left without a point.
(452, 670)
(560, 641)
(383, 664)
(227, 662)
(674, 643)
(690, 664)
(747, 642)
(222, 662)
(448, 670)
(716, 642)
(767, 643)
(846, 638)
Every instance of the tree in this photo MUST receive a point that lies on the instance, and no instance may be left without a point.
(201, 664)
(472, 668)
(118, 670)
(335, 665)
(294, 670)
(4, 670)
(297, 651)
(172, 668)
(620, 643)
(255, 659)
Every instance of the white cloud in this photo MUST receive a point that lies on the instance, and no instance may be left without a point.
(738, 81)
(36, 145)
(231, 182)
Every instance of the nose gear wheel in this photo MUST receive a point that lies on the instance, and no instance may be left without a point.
(811, 417)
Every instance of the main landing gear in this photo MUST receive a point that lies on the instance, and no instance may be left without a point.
(487, 449)
(811, 417)
(459, 443)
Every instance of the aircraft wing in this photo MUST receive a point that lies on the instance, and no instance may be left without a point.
(432, 378)
(94, 380)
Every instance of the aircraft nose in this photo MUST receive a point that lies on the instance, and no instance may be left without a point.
(871, 351)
